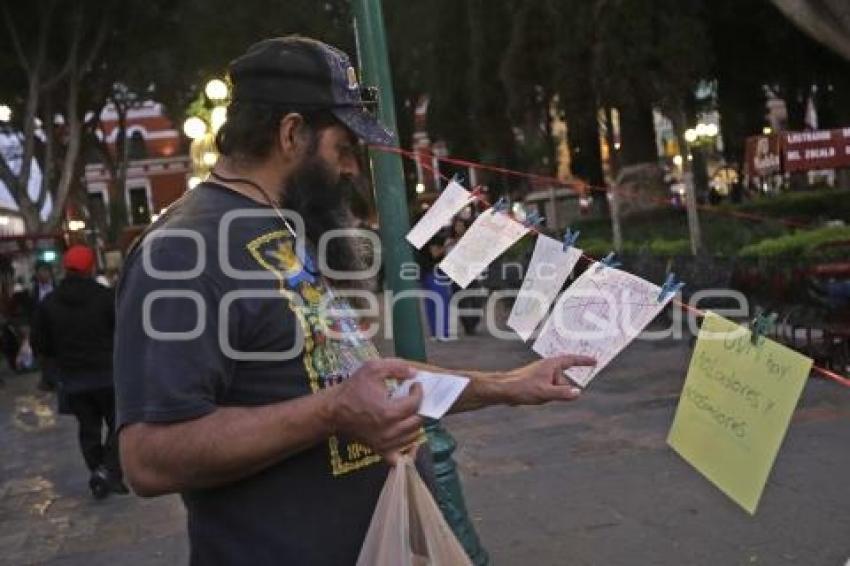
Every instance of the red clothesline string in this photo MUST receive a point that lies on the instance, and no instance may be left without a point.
(576, 185)
(477, 194)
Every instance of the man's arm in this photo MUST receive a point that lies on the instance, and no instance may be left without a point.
(235, 442)
(534, 384)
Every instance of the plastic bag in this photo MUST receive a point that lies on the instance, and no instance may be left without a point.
(408, 528)
(25, 360)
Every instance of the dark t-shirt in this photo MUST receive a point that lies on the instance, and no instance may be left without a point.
(208, 306)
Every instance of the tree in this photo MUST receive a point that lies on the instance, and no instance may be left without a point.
(49, 58)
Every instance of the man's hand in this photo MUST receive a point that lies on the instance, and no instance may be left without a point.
(363, 411)
(543, 381)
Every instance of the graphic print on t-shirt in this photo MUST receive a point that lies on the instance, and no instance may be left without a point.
(334, 347)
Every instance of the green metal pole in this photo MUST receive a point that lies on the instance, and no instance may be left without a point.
(391, 199)
(388, 174)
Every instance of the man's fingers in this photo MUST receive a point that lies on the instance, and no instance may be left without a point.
(568, 392)
(403, 407)
(400, 443)
(410, 425)
(564, 362)
(388, 368)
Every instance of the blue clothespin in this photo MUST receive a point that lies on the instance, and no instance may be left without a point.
(533, 219)
(608, 261)
(761, 325)
(670, 287)
(570, 238)
(501, 205)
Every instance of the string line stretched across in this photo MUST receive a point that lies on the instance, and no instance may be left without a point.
(576, 185)
(477, 194)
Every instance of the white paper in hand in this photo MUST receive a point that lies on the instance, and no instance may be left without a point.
(452, 199)
(547, 271)
(489, 236)
(439, 392)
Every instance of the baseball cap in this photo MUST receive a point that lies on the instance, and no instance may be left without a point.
(307, 74)
(78, 258)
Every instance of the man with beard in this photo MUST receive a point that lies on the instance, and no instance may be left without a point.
(243, 382)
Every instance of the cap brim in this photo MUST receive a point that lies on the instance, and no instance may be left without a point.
(364, 125)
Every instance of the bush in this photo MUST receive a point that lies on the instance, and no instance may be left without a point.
(824, 204)
(803, 243)
(670, 248)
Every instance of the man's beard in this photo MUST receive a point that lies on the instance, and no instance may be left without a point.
(324, 204)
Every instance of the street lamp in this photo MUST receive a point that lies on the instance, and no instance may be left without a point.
(208, 113)
(218, 117)
(216, 90)
(702, 133)
(194, 128)
(5, 113)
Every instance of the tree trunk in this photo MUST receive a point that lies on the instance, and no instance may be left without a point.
(118, 202)
(679, 124)
(72, 150)
(48, 163)
(637, 134)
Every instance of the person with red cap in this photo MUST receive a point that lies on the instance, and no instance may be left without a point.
(75, 326)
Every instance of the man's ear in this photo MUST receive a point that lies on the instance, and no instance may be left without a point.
(292, 134)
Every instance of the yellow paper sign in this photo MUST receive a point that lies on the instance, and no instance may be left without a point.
(735, 407)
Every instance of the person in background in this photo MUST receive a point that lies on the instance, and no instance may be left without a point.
(74, 326)
(42, 285)
(436, 282)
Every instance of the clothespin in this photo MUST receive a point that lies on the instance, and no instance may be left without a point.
(501, 205)
(570, 238)
(761, 325)
(608, 261)
(457, 178)
(477, 190)
(670, 287)
(533, 219)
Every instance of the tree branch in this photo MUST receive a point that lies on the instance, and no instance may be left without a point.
(16, 41)
(72, 59)
(97, 44)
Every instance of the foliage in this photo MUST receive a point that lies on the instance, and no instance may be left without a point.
(826, 204)
(800, 244)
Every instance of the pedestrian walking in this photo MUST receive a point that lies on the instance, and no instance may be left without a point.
(74, 326)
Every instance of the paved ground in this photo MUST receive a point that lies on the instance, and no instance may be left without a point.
(585, 484)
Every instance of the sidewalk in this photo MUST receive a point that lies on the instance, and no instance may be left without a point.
(581, 484)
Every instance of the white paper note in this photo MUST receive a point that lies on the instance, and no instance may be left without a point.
(451, 200)
(599, 315)
(489, 236)
(547, 271)
(439, 392)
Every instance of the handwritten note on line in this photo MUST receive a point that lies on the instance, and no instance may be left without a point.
(547, 271)
(735, 408)
(451, 200)
(599, 315)
(489, 236)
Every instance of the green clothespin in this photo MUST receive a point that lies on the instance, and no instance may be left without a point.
(762, 325)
